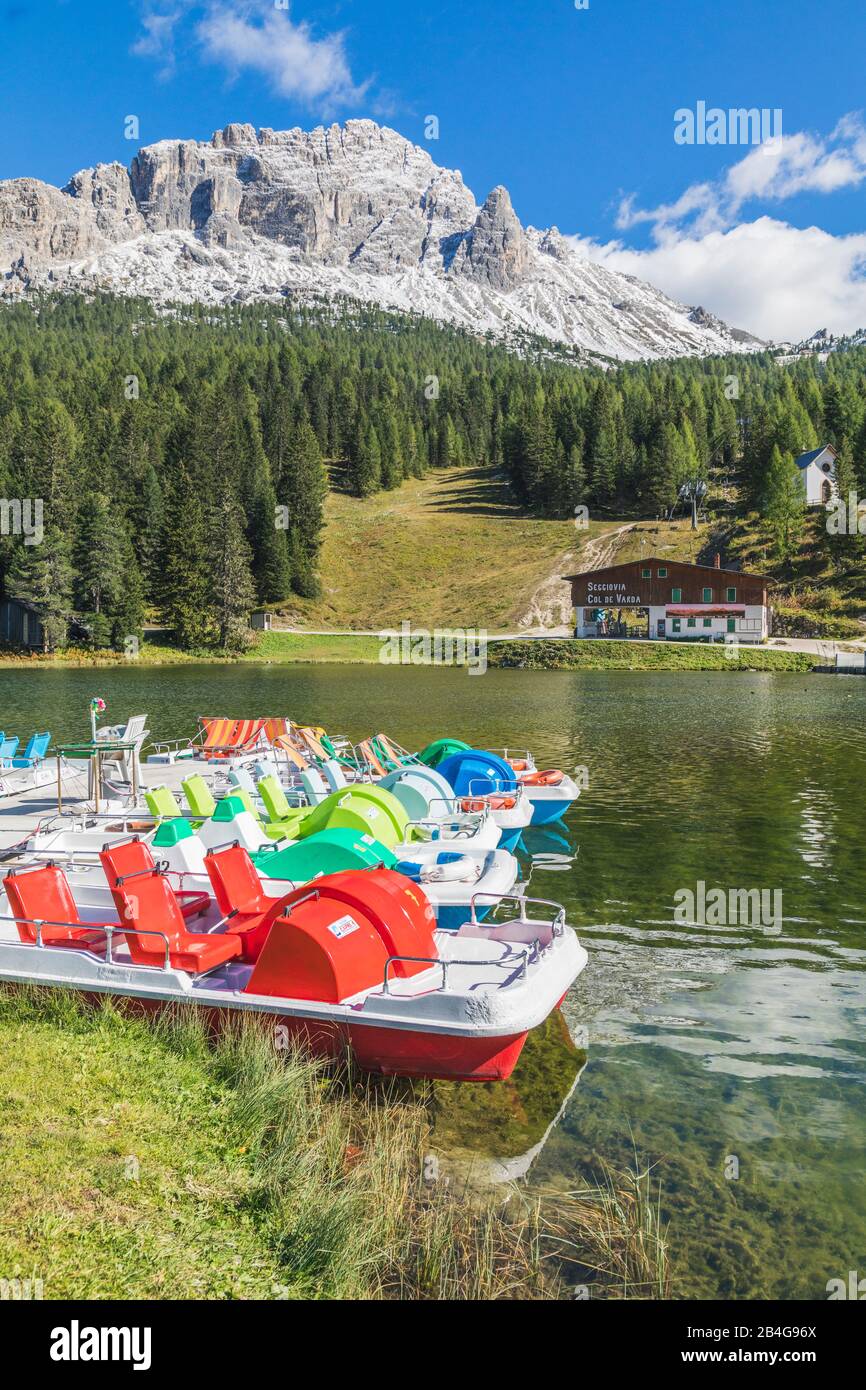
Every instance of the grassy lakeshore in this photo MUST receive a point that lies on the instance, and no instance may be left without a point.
(272, 648)
(178, 1168)
(642, 656)
(288, 648)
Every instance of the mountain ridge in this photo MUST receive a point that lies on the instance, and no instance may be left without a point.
(351, 210)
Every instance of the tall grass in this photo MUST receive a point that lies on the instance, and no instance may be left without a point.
(332, 1173)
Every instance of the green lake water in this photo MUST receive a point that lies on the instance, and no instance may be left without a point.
(702, 1044)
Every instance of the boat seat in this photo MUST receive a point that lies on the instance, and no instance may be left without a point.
(314, 785)
(162, 803)
(133, 856)
(44, 895)
(147, 901)
(199, 797)
(550, 777)
(241, 896)
(334, 775)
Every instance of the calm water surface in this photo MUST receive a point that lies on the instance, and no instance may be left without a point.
(703, 1043)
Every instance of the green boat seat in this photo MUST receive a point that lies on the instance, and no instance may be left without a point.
(162, 803)
(283, 820)
(199, 797)
(171, 833)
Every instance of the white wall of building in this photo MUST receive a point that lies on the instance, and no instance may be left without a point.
(753, 626)
(820, 472)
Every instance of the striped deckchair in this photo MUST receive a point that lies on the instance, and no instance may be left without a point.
(223, 738)
(280, 734)
(218, 734)
(369, 759)
(392, 752)
(311, 738)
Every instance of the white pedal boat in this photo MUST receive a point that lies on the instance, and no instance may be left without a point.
(353, 963)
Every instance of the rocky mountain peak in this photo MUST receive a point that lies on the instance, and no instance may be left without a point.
(346, 210)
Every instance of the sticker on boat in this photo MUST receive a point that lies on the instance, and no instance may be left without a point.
(344, 926)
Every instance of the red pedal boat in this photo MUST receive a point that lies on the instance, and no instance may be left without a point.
(352, 963)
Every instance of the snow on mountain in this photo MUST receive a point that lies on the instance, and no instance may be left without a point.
(353, 210)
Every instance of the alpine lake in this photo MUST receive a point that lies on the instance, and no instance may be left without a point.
(730, 1057)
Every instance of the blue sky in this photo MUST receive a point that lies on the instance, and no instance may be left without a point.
(572, 109)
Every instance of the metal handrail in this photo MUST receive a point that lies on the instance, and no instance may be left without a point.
(108, 928)
(523, 754)
(461, 831)
(454, 804)
(520, 970)
(558, 923)
(493, 791)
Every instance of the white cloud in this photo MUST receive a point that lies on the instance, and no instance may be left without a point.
(256, 36)
(775, 280)
(764, 275)
(157, 41)
(263, 39)
(781, 168)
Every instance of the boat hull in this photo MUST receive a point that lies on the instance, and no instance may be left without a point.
(550, 804)
(381, 1051)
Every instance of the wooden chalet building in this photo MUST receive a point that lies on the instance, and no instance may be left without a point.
(681, 601)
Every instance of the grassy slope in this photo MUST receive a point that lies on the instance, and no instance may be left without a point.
(451, 550)
(447, 550)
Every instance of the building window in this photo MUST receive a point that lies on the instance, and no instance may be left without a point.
(676, 595)
(646, 574)
(708, 622)
(732, 595)
(676, 625)
(692, 622)
(732, 624)
(663, 574)
(708, 596)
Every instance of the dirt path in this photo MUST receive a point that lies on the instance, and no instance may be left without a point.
(550, 607)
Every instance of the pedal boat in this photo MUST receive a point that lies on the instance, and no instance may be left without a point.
(451, 876)
(550, 793)
(352, 964)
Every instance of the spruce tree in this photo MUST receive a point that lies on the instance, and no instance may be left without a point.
(185, 579)
(41, 575)
(784, 502)
(233, 595)
(366, 471)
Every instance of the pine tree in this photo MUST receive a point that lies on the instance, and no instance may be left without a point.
(41, 575)
(233, 595)
(98, 555)
(306, 488)
(845, 541)
(366, 471)
(784, 502)
(185, 580)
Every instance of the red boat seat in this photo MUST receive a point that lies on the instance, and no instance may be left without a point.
(44, 895)
(148, 903)
(497, 802)
(133, 856)
(240, 893)
(552, 777)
